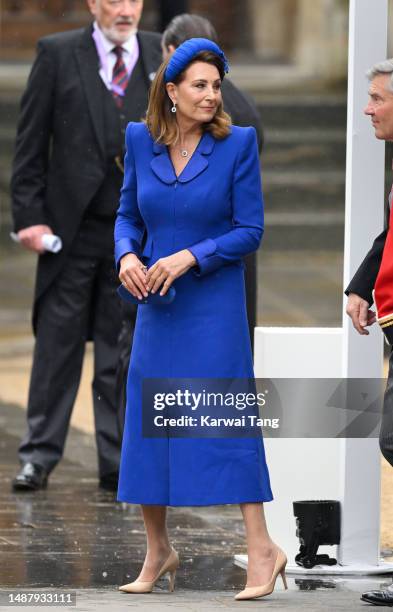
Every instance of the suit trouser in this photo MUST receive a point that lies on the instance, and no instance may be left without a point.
(82, 297)
(386, 432)
(128, 325)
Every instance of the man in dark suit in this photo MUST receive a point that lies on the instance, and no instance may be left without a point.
(243, 112)
(372, 273)
(84, 87)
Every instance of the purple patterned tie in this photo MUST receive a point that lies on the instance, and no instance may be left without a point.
(120, 76)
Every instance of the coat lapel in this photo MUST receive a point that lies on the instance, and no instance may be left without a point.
(162, 166)
(150, 54)
(87, 59)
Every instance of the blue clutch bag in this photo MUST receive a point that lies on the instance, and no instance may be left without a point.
(152, 298)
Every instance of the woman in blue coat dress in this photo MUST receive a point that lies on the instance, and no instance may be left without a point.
(192, 197)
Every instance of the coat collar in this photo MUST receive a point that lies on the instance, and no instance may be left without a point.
(162, 166)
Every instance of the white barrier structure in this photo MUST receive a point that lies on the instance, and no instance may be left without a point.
(347, 470)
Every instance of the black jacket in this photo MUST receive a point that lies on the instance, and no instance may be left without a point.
(60, 159)
(364, 278)
(241, 108)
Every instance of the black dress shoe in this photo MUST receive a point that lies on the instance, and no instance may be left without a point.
(109, 482)
(379, 598)
(31, 478)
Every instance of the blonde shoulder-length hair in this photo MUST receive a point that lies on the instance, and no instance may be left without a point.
(162, 123)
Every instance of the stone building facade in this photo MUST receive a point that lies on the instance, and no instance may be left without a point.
(310, 36)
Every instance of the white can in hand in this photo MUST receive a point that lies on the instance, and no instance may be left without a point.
(50, 242)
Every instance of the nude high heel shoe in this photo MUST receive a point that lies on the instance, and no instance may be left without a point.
(266, 589)
(141, 586)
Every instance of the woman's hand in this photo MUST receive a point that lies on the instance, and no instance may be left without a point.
(133, 275)
(167, 269)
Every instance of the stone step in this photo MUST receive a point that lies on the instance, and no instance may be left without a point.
(276, 136)
(303, 190)
(290, 237)
(306, 196)
(277, 114)
(304, 154)
(326, 112)
(282, 233)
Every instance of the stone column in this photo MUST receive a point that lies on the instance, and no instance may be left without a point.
(321, 38)
(272, 28)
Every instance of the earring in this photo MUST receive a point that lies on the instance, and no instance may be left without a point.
(173, 109)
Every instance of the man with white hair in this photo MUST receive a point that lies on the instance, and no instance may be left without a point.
(373, 281)
(83, 89)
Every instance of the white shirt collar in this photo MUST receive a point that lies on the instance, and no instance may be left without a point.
(108, 45)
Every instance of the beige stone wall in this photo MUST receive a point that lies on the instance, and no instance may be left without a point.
(312, 35)
(272, 28)
(321, 37)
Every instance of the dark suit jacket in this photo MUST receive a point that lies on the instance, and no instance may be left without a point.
(60, 159)
(364, 278)
(243, 112)
(242, 109)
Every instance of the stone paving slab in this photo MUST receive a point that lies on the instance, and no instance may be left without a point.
(207, 601)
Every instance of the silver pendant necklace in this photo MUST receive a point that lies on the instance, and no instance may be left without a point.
(183, 152)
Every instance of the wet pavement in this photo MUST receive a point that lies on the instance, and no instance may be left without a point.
(74, 537)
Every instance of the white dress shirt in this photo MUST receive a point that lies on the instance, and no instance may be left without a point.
(108, 57)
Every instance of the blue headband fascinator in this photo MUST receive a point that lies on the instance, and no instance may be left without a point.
(186, 52)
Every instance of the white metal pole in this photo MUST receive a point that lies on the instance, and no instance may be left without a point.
(362, 355)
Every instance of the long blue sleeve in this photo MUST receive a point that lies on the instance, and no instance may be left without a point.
(129, 225)
(247, 207)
